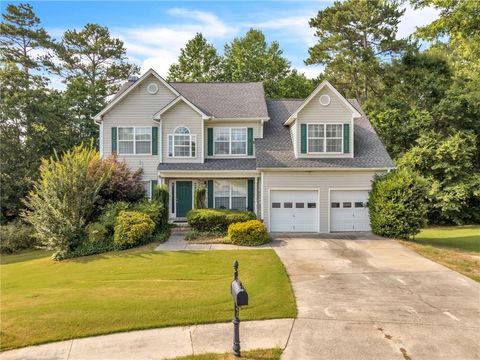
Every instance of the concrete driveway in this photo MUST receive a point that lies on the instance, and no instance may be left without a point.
(363, 297)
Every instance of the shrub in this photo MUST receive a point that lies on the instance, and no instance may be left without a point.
(15, 236)
(200, 199)
(121, 184)
(97, 233)
(154, 210)
(249, 233)
(63, 199)
(133, 228)
(397, 204)
(161, 196)
(216, 219)
(109, 215)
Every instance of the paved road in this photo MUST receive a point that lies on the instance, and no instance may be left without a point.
(374, 299)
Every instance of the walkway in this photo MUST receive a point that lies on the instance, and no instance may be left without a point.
(161, 343)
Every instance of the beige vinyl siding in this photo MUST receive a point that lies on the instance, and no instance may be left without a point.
(182, 114)
(294, 134)
(137, 109)
(257, 133)
(315, 113)
(315, 180)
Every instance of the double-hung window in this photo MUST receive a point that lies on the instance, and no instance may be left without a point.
(230, 194)
(181, 143)
(134, 140)
(324, 138)
(230, 141)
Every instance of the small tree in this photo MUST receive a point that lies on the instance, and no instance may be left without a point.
(161, 195)
(63, 199)
(200, 199)
(397, 204)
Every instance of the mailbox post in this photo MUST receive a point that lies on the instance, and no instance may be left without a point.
(240, 298)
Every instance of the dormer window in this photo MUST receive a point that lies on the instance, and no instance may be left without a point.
(324, 138)
(181, 143)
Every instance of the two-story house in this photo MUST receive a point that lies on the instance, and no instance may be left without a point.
(300, 165)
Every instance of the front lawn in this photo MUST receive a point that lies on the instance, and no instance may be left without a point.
(43, 300)
(456, 247)
(267, 354)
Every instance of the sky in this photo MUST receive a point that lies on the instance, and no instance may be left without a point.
(155, 31)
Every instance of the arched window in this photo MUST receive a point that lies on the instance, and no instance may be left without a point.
(181, 143)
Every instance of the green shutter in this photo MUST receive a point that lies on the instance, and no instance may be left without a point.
(250, 141)
(251, 194)
(114, 140)
(210, 141)
(303, 138)
(210, 193)
(154, 140)
(153, 185)
(346, 138)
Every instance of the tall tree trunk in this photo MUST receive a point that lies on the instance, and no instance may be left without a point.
(365, 76)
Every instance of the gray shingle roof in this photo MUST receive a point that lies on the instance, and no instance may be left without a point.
(275, 150)
(226, 100)
(212, 164)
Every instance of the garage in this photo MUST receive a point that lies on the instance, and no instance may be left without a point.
(348, 210)
(294, 211)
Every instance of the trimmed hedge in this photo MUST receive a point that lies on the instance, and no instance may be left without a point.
(216, 219)
(397, 204)
(249, 233)
(133, 228)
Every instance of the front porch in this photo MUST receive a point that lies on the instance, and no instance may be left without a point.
(232, 192)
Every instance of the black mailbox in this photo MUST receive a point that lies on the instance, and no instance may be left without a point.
(239, 294)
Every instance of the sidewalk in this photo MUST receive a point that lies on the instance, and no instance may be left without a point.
(162, 343)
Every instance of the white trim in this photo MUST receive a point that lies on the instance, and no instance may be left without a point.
(230, 195)
(262, 206)
(134, 140)
(158, 114)
(323, 169)
(174, 197)
(325, 152)
(253, 119)
(210, 174)
(324, 83)
(192, 139)
(98, 117)
(255, 194)
(293, 189)
(339, 189)
(203, 145)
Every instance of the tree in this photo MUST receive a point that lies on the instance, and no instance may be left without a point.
(354, 37)
(295, 85)
(198, 61)
(93, 64)
(22, 40)
(250, 58)
(450, 168)
(457, 31)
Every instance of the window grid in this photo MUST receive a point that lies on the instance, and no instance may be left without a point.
(181, 144)
(134, 140)
(324, 138)
(230, 141)
(230, 194)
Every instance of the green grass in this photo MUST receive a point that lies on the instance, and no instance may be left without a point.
(455, 237)
(262, 354)
(456, 247)
(43, 300)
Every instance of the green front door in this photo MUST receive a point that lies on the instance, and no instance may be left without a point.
(183, 198)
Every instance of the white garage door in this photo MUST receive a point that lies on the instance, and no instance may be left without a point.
(348, 210)
(294, 211)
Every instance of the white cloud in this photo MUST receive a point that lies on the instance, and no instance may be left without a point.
(159, 46)
(311, 71)
(412, 19)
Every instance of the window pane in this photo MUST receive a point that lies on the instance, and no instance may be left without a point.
(315, 145)
(239, 134)
(287, 205)
(222, 188)
(299, 205)
(125, 133)
(347, 204)
(170, 145)
(125, 147)
(239, 148)
(359, 204)
(221, 202)
(194, 145)
(182, 151)
(312, 205)
(335, 205)
(182, 130)
(276, 205)
(239, 187)
(315, 130)
(147, 188)
(221, 134)
(143, 133)
(221, 148)
(239, 203)
(334, 145)
(143, 147)
(334, 130)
